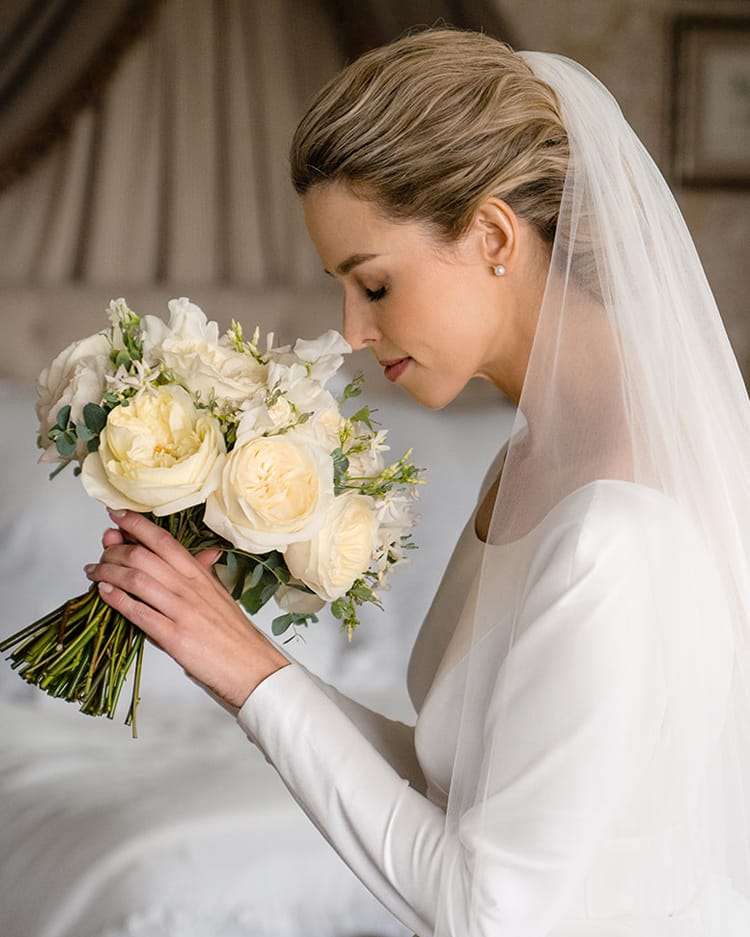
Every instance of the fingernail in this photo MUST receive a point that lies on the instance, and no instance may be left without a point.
(105, 587)
(116, 514)
(89, 568)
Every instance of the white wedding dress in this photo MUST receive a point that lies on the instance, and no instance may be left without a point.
(573, 824)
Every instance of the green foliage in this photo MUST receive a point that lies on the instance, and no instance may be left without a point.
(282, 623)
(345, 608)
(354, 388)
(94, 418)
(340, 468)
(268, 573)
(364, 415)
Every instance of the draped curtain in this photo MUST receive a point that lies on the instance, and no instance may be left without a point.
(176, 117)
(178, 171)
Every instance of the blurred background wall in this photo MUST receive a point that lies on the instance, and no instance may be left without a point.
(143, 148)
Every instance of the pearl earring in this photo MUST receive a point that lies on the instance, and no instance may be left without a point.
(499, 270)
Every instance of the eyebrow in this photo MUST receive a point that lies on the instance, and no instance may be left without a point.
(351, 262)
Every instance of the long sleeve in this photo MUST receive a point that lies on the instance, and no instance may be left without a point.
(558, 761)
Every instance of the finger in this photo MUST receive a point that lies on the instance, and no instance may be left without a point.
(155, 625)
(207, 558)
(142, 586)
(158, 540)
(136, 556)
(111, 537)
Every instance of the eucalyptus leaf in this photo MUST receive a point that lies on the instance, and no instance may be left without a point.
(66, 445)
(253, 600)
(63, 417)
(281, 624)
(95, 417)
(83, 432)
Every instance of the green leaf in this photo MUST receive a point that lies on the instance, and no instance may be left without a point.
(66, 445)
(63, 417)
(253, 600)
(364, 415)
(281, 624)
(83, 432)
(122, 358)
(353, 389)
(93, 444)
(95, 417)
(256, 576)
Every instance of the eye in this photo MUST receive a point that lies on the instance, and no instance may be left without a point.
(376, 295)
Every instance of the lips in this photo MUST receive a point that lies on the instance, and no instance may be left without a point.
(395, 367)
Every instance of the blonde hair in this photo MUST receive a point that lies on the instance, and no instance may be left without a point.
(432, 124)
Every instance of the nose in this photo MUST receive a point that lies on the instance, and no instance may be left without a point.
(359, 328)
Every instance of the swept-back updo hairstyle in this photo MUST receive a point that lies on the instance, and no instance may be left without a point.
(430, 125)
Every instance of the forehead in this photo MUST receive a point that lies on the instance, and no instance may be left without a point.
(334, 206)
(341, 223)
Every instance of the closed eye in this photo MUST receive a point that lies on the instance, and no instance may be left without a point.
(376, 295)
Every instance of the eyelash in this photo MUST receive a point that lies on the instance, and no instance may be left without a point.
(375, 296)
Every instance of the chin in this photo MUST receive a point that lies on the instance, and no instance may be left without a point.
(435, 397)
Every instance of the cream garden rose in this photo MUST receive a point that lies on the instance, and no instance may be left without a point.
(341, 550)
(274, 491)
(159, 454)
(76, 377)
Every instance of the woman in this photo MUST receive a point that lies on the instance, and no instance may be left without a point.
(580, 759)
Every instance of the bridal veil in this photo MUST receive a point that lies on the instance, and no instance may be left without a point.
(631, 382)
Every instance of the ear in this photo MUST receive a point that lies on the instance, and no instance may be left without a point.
(497, 226)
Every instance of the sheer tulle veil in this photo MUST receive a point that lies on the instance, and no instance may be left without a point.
(631, 385)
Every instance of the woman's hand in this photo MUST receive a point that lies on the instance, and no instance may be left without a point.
(178, 602)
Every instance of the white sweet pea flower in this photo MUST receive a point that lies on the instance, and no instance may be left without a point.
(323, 354)
(75, 377)
(274, 491)
(158, 454)
(341, 550)
(209, 366)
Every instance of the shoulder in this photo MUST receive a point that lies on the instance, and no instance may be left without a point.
(615, 515)
(613, 536)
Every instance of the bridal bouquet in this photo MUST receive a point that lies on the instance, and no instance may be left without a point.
(225, 445)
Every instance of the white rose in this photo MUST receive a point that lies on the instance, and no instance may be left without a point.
(341, 550)
(76, 377)
(274, 490)
(191, 348)
(297, 600)
(158, 454)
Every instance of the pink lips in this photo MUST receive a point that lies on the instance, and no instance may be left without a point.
(394, 369)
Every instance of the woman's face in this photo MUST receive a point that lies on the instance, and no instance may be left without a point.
(435, 316)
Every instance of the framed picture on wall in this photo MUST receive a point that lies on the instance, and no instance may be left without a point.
(711, 101)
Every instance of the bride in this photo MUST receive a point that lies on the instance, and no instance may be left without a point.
(580, 765)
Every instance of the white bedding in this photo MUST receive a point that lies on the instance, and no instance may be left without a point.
(187, 831)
